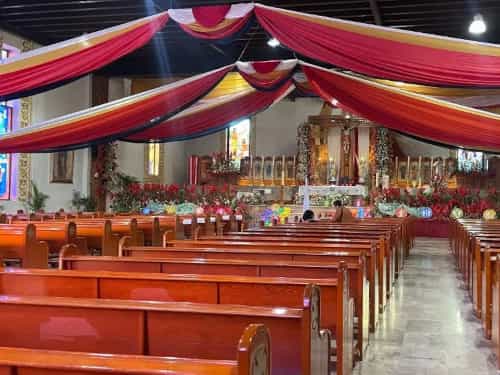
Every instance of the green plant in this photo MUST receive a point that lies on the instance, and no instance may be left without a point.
(122, 198)
(80, 203)
(36, 199)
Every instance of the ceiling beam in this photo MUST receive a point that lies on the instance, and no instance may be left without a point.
(376, 12)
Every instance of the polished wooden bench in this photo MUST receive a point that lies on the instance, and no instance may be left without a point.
(252, 357)
(213, 289)
(19, 241)
(57, 234)
(167, 329)
(358, 272)
(277, 250)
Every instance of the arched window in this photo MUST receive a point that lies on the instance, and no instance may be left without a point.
(154, 154)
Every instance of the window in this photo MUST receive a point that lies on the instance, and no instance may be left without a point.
(154, 159)
(470, 161)
(238, 141)
(5, 127)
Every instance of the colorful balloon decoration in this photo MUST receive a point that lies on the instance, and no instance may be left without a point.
(401, 212)
(200, 211)
(425, 212)
(457, 213)
(171, 209)
(489, 214)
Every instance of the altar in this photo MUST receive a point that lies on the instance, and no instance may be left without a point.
(326, 190)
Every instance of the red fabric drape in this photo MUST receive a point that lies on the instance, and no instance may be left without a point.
(111, 120)
(211, 117)
(210, 16)
(213, 22)
(384, 52)
(35, 71)
(267, 75)
(414, 114)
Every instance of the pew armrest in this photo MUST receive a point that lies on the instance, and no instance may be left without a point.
(67, 251)
(124, 242)
(254, 351)
(167, 236)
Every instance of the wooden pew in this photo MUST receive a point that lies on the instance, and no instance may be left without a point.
(358, 275)
(99, 235)
(213, 289)
(57, 234)
(252, 358)
(167, 329)
(20, 242)
(267, 249)
(264, 254)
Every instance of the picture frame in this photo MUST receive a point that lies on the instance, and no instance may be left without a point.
(62, 167)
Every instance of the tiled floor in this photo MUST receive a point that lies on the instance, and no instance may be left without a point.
(428, 327)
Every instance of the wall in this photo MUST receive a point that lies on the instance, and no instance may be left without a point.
(276, 128)
(61, 101)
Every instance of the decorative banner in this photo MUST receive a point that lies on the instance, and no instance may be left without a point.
(212, 115)
(213, 22)
(384, 52)
(48, 67)
(112, 120)
(267, 75)
(413, 114)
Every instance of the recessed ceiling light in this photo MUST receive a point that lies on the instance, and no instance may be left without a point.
(273, 42)
(477, 26)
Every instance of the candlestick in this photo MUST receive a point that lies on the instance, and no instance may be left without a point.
(283, 168)
(408, 172)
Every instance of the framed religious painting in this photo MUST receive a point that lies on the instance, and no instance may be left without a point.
(279, 177)
(403, 173)
(5, 160)
(414, 172)
(62, 166)
(268, 170)
(258, 169)
(204, 169)
(245, 171)
(450, 172)
(426, 173)
(290, 171)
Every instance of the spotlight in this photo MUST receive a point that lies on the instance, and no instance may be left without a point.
(273, 42)
(477, 26)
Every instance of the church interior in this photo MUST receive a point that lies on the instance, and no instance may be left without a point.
(225, 187)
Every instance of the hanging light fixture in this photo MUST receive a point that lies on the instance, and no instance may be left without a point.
(477, 26)
(273, 42)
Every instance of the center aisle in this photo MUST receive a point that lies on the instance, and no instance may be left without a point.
(428, 328)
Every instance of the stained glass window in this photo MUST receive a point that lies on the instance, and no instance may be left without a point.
(238, 141)
(5, 127)
(154, 159)
(470, 161)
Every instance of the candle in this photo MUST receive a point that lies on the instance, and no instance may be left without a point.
(408, 171)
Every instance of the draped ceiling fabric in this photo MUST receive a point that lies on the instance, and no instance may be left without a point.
(112, 120)
(384, 52)
(414, 114)
(212, 115)
(267, 75)
(50, 66)
(213, 22)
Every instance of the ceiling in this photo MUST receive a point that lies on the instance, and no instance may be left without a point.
(172, 52)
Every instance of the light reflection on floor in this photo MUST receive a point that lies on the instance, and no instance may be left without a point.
(428, 327)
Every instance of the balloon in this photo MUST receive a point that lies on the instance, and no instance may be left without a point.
(457, 213)
(489, 214)
(401, 212)
(170, 209)
(425, 212)
(200, 211)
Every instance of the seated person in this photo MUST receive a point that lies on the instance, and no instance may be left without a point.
(342, 214)
(308, 216)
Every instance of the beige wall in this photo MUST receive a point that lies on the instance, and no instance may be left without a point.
(61, 101)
